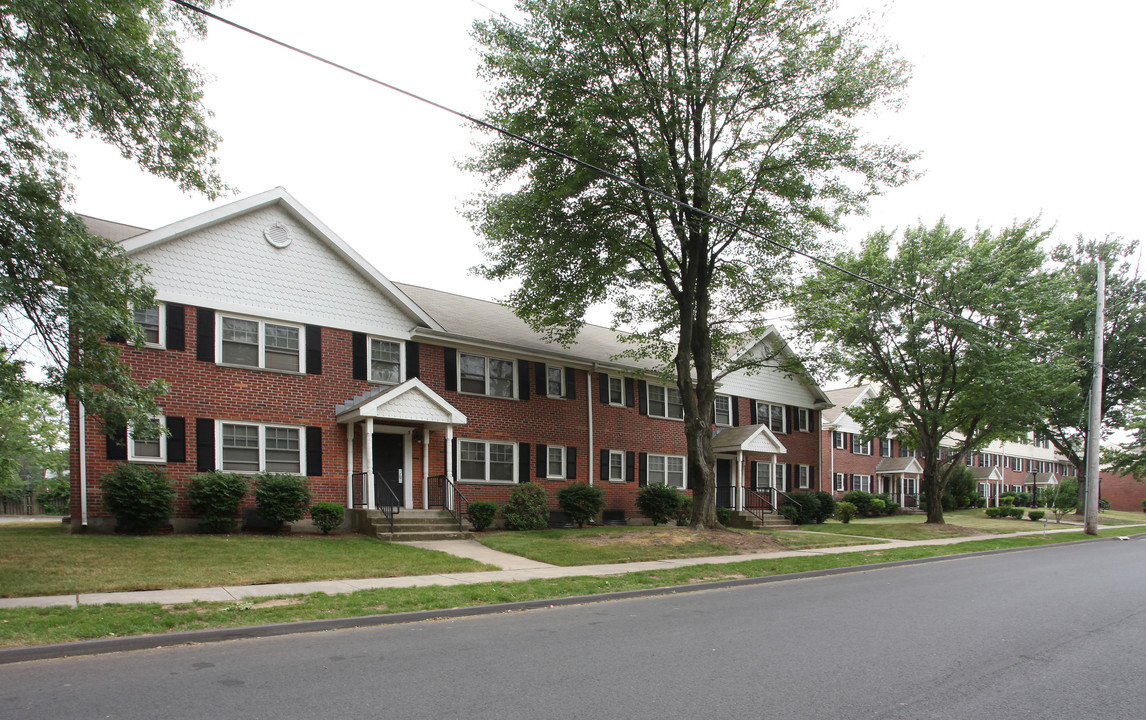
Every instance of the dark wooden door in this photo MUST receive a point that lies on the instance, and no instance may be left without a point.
(389, 459)
(724, 482)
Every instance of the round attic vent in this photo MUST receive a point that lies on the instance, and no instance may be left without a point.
(278, 235)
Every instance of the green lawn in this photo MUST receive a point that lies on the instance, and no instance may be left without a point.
(44, 559)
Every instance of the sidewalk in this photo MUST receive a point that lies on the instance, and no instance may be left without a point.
(513, 568)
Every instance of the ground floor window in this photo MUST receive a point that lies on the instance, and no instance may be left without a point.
(667, 470)
(483, 461)
(861, 482)
(260, 448)
(840, 482)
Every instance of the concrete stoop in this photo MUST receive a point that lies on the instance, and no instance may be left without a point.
(417, 525)
(748, 521)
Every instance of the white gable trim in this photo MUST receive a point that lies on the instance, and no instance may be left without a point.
(279, 196)
(760, 440)
(372, 407)
(822, 400)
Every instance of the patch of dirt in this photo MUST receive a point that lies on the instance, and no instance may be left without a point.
(277, 602)
(737, 541)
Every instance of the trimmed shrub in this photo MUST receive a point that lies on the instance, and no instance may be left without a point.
(1103, 504)
(481, 514)
(684, 511)
(658, 502)
(581, 501)
(807, 508)
(327, 516)
(827, 505)
(1037, 515)
(892, 508)
(281, 498)
(878, 506)
(527, 508)
(1143, 504)
(723, 515)
(861, 500)
(215, 497)
(993, 512)
(845, 511)
(1007, 500)
(1017, 513)
(139, 496)
(1025, 499)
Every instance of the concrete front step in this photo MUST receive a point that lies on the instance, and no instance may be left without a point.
(422, 536)
(418, 525)
(745, 520)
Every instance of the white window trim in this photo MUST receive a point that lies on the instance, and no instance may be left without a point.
(561, 375)
(262, 343)
(839, 482)
(765, 417)
(485, 480)
(803, 477)
(609, 469)
(864, 480)
(401, 358)
(621, 383)
(716, 414)
(162, 344)
(864, 447)
(839, 440)
(549, 449)
(132, 457)
(514, 381)
(804, 420)
(881, 447)
(262, 446)
(665, 389)
(683, 470)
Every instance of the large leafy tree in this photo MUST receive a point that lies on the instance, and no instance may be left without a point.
(110, 69)
(1066, 418)
(941, 377)
(33, 436)
(1131, 457)
(737, 108)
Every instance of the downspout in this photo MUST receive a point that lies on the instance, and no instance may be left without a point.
(589, 407)
(83, 468)
(820, 449)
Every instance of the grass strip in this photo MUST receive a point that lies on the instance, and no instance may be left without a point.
(36, 626)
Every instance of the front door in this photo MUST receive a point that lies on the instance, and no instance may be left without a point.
(723, 483)
(389, 459)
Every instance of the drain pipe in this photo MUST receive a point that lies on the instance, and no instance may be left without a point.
(83, 468)
(589, 406)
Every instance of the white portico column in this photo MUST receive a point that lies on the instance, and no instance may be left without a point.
(349, 465)
(738, 504)
(449, 473)
(425, 468)
(369, 442)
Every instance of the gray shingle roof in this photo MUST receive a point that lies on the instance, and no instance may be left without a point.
(111, 230)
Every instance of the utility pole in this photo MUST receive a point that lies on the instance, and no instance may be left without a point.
(1094, 429)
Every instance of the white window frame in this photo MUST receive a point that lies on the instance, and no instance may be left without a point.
(133, 456)
(839, 482)
(764, 416)
(804, 420)
(370, 340)
(726, 421)
(765, 468)
(486, 462)
(487, 358)
(161, 309)
(554, 452)
(620, 385)
(665, 391)
(839, 440)
(262, 345)
(803, 477)
(863, 481)
(262, 436)
(549, 375)
(613, 454)
(664, 479)
(861, 447)
(885, 449)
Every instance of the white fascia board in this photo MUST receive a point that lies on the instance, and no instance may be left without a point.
(516, 351)
(822, 400)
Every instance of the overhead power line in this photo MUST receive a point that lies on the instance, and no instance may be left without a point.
(624, 180)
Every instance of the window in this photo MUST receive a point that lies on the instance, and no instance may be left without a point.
(482, 461)
(763, 476)
(616, 469)
(839, 440)
(803, 420)
(803, 476)
(385, 361)
(554, 381)
(840, 483)
(885, 448)
(665, 402)
(486, 376)
(153, 449)
(722, 410)
(860, 447)
(616, 390)
(773, 416)
(555, 461)
(150, 321)
(861, 482)
(261, 448)
(260, 344)
(666, 470)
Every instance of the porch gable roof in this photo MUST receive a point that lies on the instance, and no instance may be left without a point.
(897, 465)
(747, 438)
(411, 401)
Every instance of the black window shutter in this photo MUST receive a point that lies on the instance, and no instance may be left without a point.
(176, 327)
(176, 440)
(877, 447)
(451, 361)
(791, 424)
(539, 371)
(605, 465)
(522, 379)
(752, 410)
(313, 350)
(454, 459)
(735, 402)
(643, 470)
(643, 400)
(570, 463)
(789, 478)
(205, 334)
(523, 462)
(603, 379)
(204, 444)
(413, 366)
(542, 460)
(630, 466)
(570, 383)
(313, 451)
(811, 478)
(359, 353)
(850, 482)
(117, 445)
(630, 394)
(851, 443)
(752, 469)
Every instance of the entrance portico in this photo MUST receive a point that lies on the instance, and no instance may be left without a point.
(731, 445)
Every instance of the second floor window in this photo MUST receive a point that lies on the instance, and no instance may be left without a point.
(722, 410)
(385, 361)
(486, 376)
(150, 321)
(260, 344)
(665, 402)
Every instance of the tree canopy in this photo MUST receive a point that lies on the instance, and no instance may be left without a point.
(739, 108)
(113, 70)
(941, 378)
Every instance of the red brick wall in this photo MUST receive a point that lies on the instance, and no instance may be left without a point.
(1123, 492)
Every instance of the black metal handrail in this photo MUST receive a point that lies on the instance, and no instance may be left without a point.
(445, 494)
(758, 505)
(358, 487)
(390, 509)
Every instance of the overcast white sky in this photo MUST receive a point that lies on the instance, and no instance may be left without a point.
(1019, 107)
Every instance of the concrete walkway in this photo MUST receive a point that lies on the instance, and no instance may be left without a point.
(512, 568)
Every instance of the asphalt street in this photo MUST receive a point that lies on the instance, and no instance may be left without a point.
(1055, 631)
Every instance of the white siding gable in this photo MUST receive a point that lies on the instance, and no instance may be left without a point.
(769, 384)
(231, 266)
